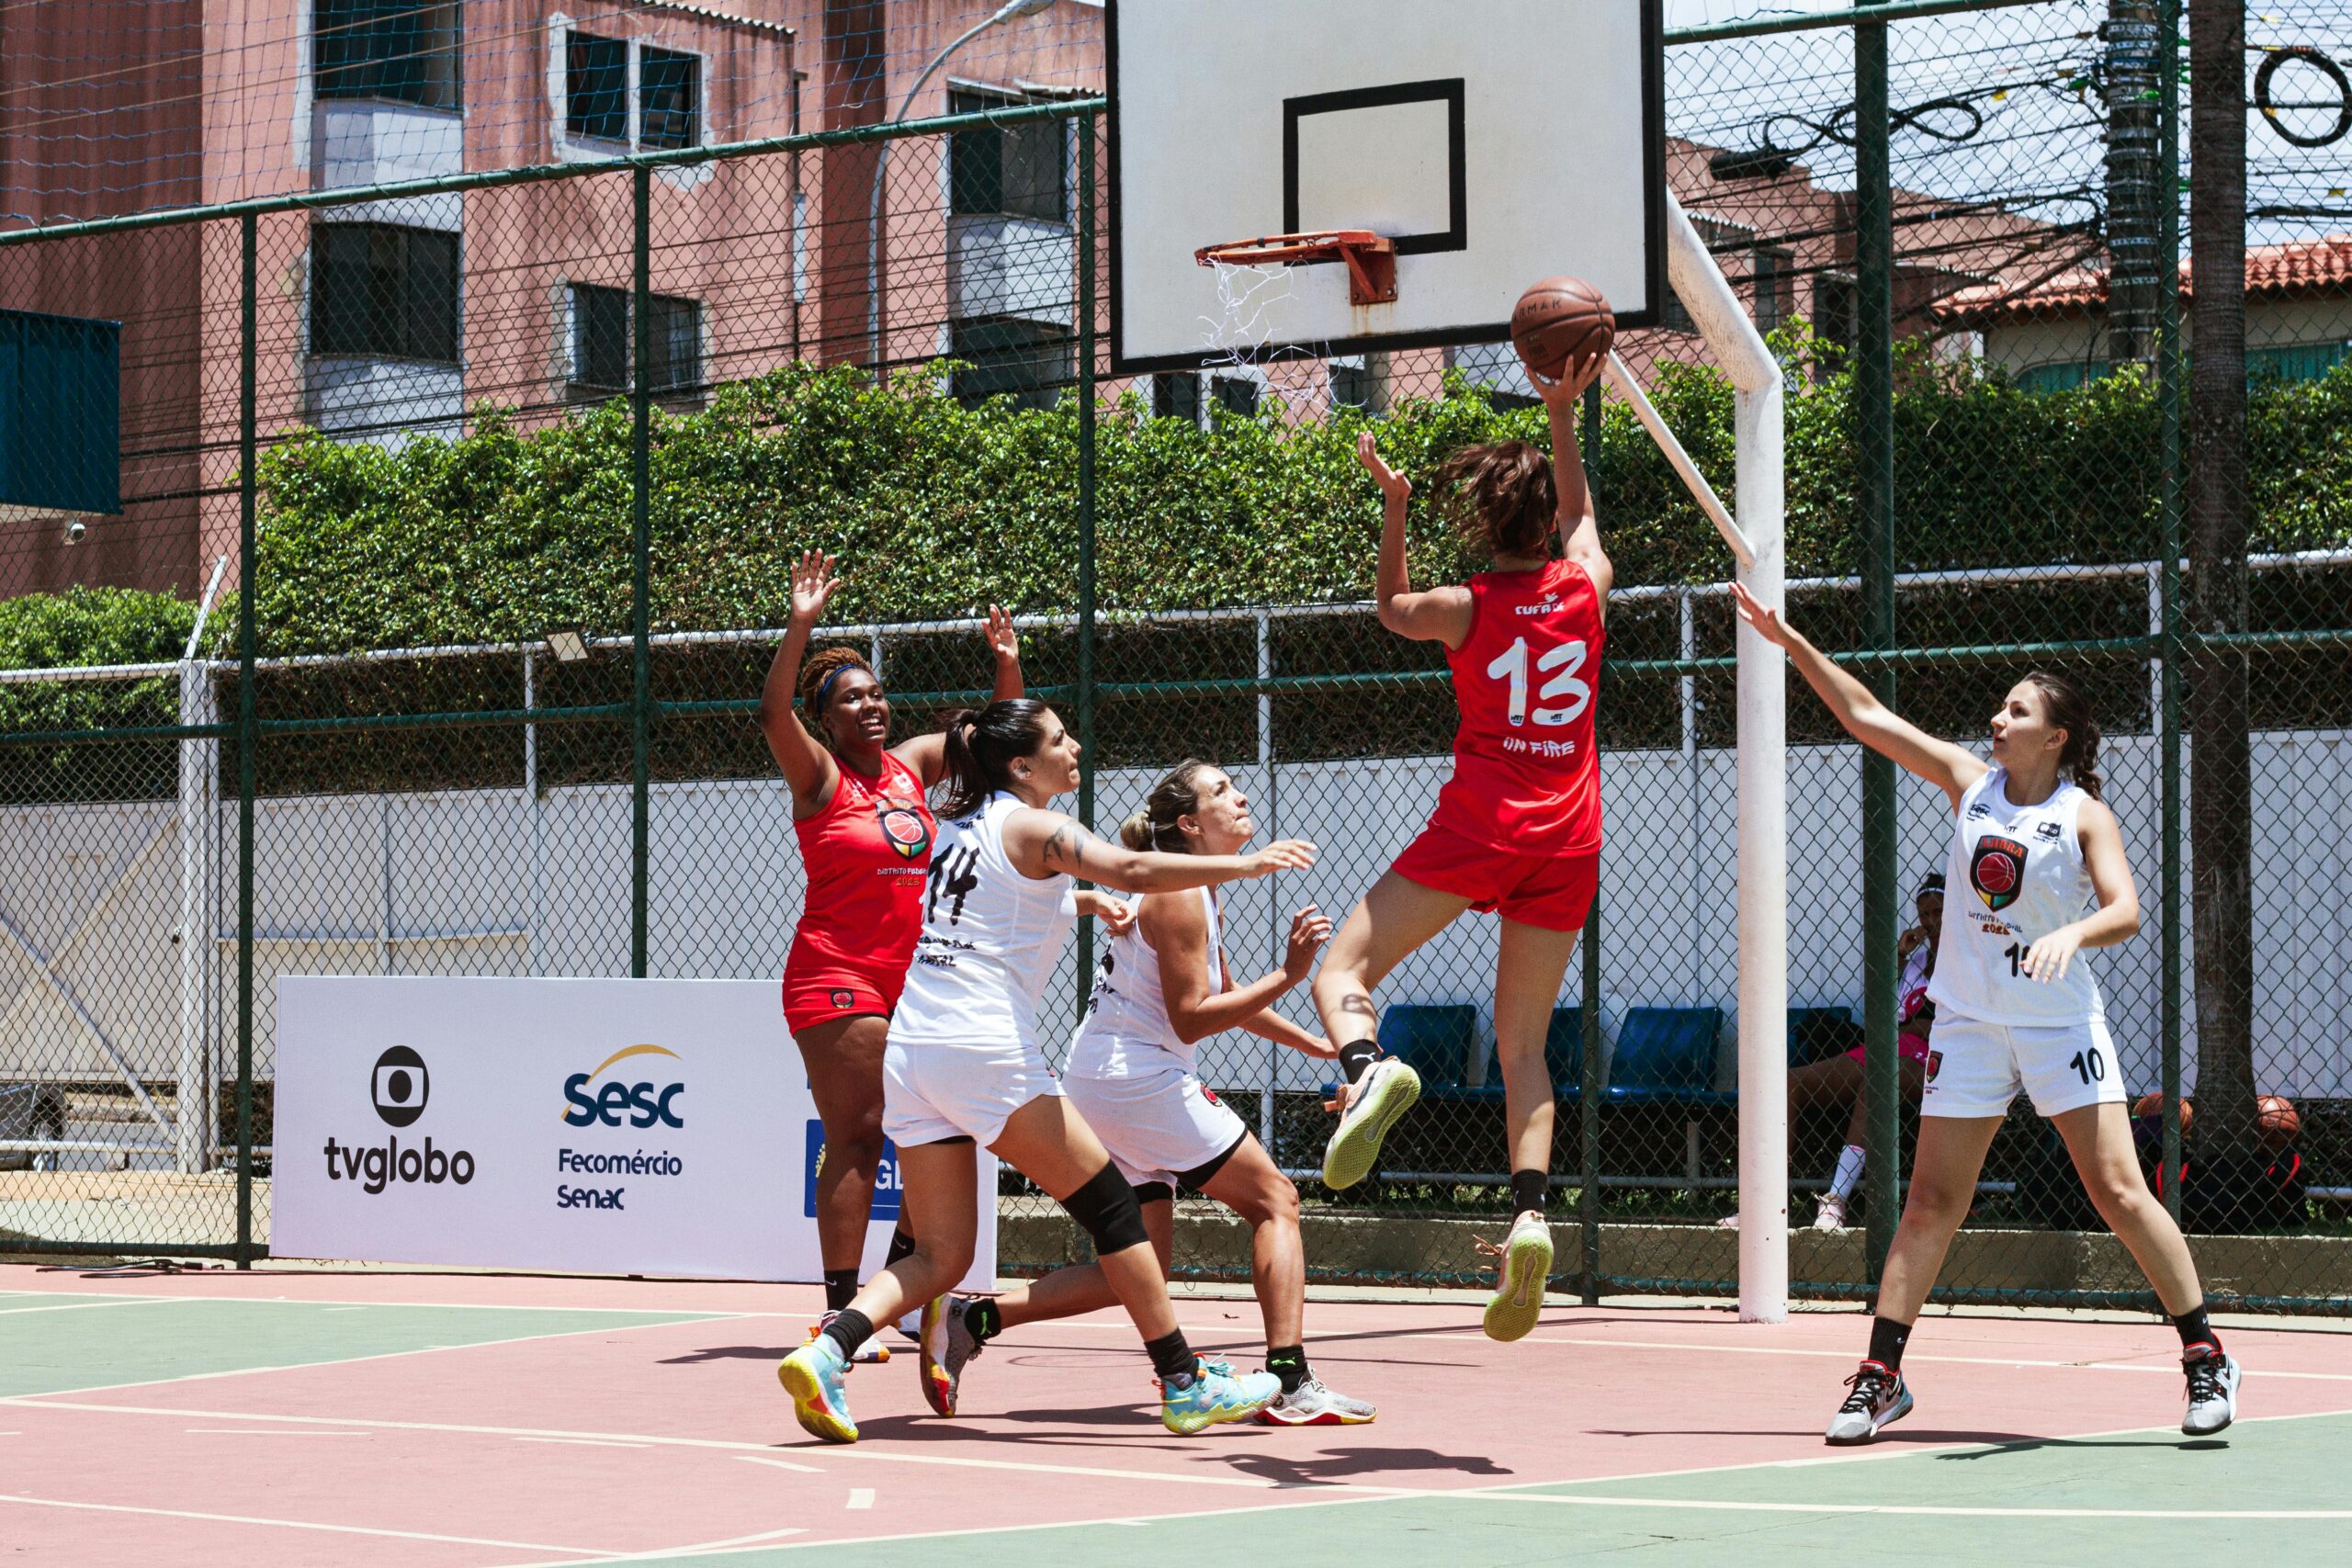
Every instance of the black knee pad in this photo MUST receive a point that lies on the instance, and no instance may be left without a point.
(1105, 1209)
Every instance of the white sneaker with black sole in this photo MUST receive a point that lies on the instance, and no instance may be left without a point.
(1312, 1405)
(2214, 1378)
(1881, 1398)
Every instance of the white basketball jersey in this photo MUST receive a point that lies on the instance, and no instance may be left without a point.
(2017, 875)
(1125, 1029)
(990, 937)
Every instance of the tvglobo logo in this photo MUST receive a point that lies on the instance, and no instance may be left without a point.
(399, 1087)
(592, 1099)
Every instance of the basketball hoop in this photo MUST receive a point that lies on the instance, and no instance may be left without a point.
(1371, 258)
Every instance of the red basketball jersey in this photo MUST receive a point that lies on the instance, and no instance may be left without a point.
(1525, 777)
(867, 854)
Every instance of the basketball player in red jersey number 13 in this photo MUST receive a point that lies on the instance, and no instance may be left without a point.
(1516, 828)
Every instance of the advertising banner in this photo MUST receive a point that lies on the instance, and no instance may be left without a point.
(596, 1126)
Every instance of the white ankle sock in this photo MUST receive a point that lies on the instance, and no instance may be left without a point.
(1848, 1171)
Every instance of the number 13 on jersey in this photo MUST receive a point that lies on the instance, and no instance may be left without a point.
(1566, 659)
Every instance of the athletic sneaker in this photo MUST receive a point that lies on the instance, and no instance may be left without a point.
(1881, 1398)
(1389, 1090)
(867, 1354)
(1312, 1405)
(2212, 1390)
(1524, 1266)
(947, 1344)
(1831, 1215)
(812, 1375)
(1211, 1398)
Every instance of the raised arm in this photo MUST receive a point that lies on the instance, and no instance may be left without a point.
(1579, 524)
(1178, 930)
(927, 754)
(808, 767)
(1949, 767)
(1045, 843)
(1442, 615)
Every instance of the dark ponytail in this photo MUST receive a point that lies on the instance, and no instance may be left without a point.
(981, 746)
(1501, 496)
(2070, 710)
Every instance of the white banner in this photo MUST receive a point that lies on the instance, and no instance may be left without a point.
(595, 1127)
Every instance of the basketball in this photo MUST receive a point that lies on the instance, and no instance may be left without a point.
(1557, 319)
(2276, 1122)
(2153, 1105)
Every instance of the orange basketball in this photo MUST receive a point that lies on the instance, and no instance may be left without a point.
(1557, 319)
(2276, 1122)
(2153, 1105)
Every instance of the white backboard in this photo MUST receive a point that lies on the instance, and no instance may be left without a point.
(1497, 141)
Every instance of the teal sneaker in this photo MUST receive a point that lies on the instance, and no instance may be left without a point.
(1389, 1089)
(813, 1375)
(1210, 1398)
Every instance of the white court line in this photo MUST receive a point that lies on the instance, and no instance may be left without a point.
(74, 1306)
(576, 1551)
(351, 1361)
(861, 1497)
(588, 1442)
(780, 1464)
(1721, 1505)
(265, 1432)
(347, 1302)
(697, 1549)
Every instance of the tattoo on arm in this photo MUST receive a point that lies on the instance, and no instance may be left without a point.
(1066, 850)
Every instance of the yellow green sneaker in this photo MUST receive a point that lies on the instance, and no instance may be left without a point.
(1389, 1090)
(1524, 1266)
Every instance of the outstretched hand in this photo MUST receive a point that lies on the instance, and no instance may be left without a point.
(1394, 486)
(1287, 855)
(812, 585)
(1002, 640)
(1581, 372)
(1756, 613)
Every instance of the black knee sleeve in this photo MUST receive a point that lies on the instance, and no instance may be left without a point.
(1105, 1209)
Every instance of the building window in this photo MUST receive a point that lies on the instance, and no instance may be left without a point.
(1775, 286)
(668, 94)
(1017, 170)
(1836, 310)
(1176, 394)
(595, 87)
(1029, 362)
(383, 292)
(604, 338)
(1353, 384)
(1235, 394)
(407, 51)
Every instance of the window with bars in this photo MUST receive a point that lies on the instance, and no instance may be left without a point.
(1235, 394)
(1775, 286)
(1030, 361)
(405, 51)
(1020, 170)
(381, 291)
(1176, 394)
(669, 93)
(598, 84)
(604, 338)
(595, 87)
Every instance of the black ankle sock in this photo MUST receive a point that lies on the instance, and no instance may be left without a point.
(1171, 1357)
(849, 1329)
(841, 1287)
(1288, 1362)
(1887, 1339)
(901, 1246)
(1527, 1190)
(1357, 1057)
(2195, 1330)
(984, 1318)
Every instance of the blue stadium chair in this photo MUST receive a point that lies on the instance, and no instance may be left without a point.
(1434, 1040)
(1564, 1051)
(1808, 1024)
(1667, 1057)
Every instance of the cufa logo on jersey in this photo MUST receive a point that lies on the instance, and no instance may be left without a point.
(902, 826)
(1997, 870)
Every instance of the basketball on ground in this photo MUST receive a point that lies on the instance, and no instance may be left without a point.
(1558, 319)
(2276, 1122)
(2153, 1105)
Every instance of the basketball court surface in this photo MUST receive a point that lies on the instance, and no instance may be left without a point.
(441, 1420)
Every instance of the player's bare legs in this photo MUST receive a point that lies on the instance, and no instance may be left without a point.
(1944, 1168)
(1398, 916)
(2100, 1139)
(1529, 969)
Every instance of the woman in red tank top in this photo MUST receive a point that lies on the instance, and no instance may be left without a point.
(1516, 828)
(866, 835)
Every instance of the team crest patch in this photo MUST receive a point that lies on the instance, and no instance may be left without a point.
(844, 998)
(1210, 1094)
(1997, 870)
(902, 828)
(1935, 1063)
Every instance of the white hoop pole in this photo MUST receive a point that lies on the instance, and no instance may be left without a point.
(1763, 774)
(1621, 381)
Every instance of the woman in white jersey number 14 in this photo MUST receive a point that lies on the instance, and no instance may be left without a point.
(2016, 1007)
(964, 1065)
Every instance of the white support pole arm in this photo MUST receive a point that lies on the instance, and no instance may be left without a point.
(1620, 380)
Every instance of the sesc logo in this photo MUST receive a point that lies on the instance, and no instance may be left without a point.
(401, 1086)
(888, 1183)
(640, 1104)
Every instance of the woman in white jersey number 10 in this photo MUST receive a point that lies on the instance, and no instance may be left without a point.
(1162, 987)
(2016, 1007)
(963, 1065)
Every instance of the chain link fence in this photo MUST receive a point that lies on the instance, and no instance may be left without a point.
(504, 468)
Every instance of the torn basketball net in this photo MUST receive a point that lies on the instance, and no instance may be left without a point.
(1256, 284)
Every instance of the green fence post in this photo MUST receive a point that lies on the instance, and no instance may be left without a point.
(641, 454)
(1588, 949)
(1874, 495)
(1085, 390)
(248, 728)
(2169, 368)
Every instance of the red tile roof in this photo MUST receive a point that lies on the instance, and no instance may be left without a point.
(2311, 266)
